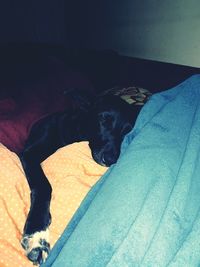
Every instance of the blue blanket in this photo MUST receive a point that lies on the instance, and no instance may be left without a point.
(145, 211)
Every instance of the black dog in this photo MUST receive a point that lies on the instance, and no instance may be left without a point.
(104, 124)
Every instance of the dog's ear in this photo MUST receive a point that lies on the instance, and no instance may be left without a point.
(134, 110)
(81, 98)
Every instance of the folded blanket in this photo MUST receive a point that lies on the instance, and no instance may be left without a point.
(71, 171)
(145, 211)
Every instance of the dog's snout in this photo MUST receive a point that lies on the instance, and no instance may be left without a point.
(109, 159)
(104, 158)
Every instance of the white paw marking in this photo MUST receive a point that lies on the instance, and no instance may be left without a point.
(37, 241)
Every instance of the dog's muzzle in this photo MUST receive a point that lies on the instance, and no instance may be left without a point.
(104, 158)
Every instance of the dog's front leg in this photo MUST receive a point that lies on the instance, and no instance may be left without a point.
(35, 239)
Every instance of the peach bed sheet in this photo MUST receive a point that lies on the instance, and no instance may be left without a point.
(71, 172)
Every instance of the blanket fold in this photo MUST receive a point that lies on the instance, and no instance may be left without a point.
(145, 211)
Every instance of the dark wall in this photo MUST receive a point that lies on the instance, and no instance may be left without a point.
(167, 31)
(32, 21)
(93, 24)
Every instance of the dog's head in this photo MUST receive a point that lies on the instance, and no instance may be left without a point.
(110, 119)
(106, 119)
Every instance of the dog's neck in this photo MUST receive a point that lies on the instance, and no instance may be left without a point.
(83, 122)
(74, 127)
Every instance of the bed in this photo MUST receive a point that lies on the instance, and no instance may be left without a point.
(142, 211)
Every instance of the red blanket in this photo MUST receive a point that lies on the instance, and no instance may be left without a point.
(18, 113)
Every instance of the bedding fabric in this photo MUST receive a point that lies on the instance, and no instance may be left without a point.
(145, 211)
(40, 98)
(71, 171)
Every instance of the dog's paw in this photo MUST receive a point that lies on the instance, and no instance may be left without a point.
(37, 246)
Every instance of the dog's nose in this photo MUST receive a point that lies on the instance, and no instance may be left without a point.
(108, 160)
(103, 160)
